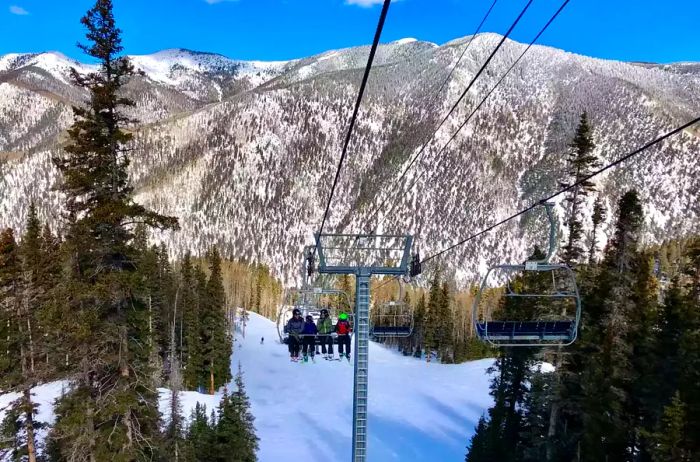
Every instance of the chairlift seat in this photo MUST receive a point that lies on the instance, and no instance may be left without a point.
(527, 330)
(334, 339)
(391, 331)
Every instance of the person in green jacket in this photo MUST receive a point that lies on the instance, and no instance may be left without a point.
(325, 329)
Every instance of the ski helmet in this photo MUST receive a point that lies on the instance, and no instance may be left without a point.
(343, 316)
(324, 312)
(296, 312)
(309, 318)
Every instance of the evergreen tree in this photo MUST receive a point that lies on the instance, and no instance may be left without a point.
(33, 299)
(502, 438)
(111, 412)
(609, 373)
(11, 447)
(432, 317)
(18, 430)
(689, 348)
(418, 334)
(536, 419)
(235, 438)
(581, 162)
(11, 340)
(643, 321)
(200, 436)
(174, 438)
(669, 442)
(478, 449)
(598, 218)
(49, 322)
(446, 325)
(33, 291)
(189, 340)
(216, 344)
(201, 343)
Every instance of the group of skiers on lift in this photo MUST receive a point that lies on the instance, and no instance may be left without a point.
(303, 333)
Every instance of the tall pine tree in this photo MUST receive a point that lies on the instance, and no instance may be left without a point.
(580, 164)
(216, 343)
(111, 410)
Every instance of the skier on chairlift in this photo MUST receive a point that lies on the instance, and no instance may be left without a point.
(325, 329)
(309, 338)
(343, 329)
(294, 328)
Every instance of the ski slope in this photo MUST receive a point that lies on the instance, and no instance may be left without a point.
(418, 411)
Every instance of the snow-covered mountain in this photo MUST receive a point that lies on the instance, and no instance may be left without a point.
(245, 152)
(417, 411)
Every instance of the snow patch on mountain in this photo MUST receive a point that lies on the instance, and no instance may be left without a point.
(55, 63)
(244, 160)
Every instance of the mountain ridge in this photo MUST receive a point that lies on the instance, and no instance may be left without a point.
(246, 157)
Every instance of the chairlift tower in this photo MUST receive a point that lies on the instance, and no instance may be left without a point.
(363, 255)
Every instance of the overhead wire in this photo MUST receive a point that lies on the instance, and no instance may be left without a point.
(353, 119)
(476, 109)
(376, 210)
(559, 192)
(447, 79)
(565, 189)
(464, 51)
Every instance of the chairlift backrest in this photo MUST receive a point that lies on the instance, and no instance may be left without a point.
(546, 292)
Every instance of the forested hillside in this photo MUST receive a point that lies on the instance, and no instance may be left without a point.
(244, 152)
(627, 390)
(97, 307)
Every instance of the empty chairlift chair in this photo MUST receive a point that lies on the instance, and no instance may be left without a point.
(393, 319)
(532, 304)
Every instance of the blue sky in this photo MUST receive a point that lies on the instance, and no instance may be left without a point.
(632, 30)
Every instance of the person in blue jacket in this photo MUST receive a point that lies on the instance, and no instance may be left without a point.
(308, 335)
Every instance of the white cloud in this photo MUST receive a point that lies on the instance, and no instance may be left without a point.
(14, 9)
(365, 3)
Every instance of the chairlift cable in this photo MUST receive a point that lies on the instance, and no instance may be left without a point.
(420, 152)
(476, 109)
(559, 192)
(464, 51)
(567, 188)
(368, 68)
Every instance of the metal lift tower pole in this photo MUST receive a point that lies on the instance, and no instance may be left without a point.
(360, 389)
(363, 256)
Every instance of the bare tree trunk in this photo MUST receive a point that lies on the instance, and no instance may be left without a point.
(129, 424)
(90, 427)
(22, 351)
(31, 344)
(554, 411)
(175, 387)
(211, 379)
(7, 350)
(150, 322)
(29, 424)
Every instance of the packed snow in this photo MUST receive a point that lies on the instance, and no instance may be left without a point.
(418, 411)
